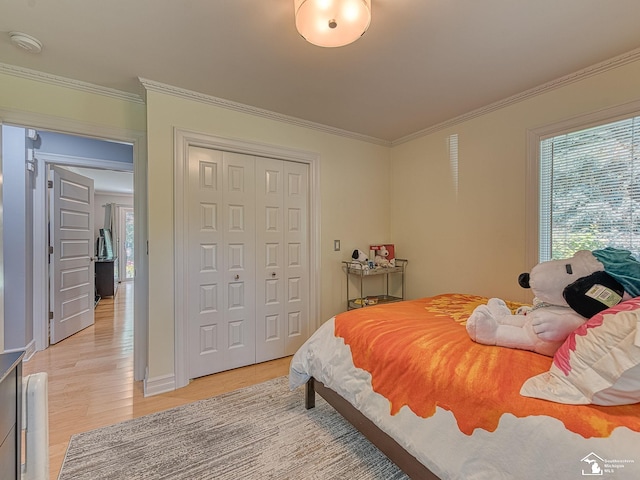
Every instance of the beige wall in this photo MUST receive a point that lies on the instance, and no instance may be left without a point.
(19, 96)
(32, 103)
(475, 241)
(355, 201)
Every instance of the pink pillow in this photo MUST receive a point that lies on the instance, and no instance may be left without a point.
(598, 363)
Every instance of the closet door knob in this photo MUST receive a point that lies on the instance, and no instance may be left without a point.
(273, 274)
(237, 277)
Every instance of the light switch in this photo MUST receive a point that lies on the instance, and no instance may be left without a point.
(336, 245)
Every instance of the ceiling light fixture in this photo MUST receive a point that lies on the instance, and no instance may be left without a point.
(26, 42)
(332, 23)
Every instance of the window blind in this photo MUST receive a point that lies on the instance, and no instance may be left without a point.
(590, 190)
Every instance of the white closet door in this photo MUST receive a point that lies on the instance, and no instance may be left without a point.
(296, 255)
(248, 242)
(221, 267)
(239, 258)
(270, 271)
(207, 346)
(282, 253)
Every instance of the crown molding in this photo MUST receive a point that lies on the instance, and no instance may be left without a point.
(69, 83)
(610, 64)
(151, 85)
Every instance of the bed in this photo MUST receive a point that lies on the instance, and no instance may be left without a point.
(408, 376)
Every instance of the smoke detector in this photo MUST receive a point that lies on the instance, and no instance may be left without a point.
(26, 42)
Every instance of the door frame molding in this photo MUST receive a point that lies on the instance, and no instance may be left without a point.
(183, 139)
(138, 139)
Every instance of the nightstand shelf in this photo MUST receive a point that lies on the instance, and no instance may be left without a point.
(361, 276)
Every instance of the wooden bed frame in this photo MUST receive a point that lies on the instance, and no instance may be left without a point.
(387, 445)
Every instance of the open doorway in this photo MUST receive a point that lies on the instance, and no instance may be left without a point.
(137, 138)
(109, 164)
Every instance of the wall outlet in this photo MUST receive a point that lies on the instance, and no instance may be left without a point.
(336, 245)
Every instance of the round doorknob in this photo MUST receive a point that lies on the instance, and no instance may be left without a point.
(237, 277)
(273, 274)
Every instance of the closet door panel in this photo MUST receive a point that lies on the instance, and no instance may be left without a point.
(270, 287)
(239, 260)
(206, 317)
(296, 260)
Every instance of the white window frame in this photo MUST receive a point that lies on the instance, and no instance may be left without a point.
(532, 176)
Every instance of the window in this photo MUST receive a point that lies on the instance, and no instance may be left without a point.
(125, 243)
(589, 189)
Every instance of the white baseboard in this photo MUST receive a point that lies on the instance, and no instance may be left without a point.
(161, 384)
(29, 350)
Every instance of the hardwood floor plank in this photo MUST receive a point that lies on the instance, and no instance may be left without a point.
(91, 378)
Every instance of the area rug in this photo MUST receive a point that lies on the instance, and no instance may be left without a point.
(258, 432)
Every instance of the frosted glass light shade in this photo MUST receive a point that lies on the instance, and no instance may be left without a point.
(332, 23)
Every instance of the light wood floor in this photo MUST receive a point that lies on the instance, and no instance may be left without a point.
(91, 378)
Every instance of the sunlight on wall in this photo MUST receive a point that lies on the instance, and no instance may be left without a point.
(452, 145)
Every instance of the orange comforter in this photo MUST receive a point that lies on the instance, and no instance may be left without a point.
(419, 355)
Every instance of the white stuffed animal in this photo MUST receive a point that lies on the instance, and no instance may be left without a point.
(359, 260)
(544, 327)
(381, 259)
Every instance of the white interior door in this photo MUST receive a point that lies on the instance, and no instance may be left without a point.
(204, 244)
(282, 257)
(71, 254)
(270, 271)
(221, 261)
(239, 259)
(248, 259)
(296, 257)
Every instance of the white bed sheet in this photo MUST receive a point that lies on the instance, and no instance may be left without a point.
(536, 447)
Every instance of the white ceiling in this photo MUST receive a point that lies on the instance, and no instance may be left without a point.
(421, 63)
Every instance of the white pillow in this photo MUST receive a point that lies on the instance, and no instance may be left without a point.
(599, 363)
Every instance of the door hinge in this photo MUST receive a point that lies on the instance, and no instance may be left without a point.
(50, 249)
(50, 315)
(50, 183)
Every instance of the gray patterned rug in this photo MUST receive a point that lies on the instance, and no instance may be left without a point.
(258, 432)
